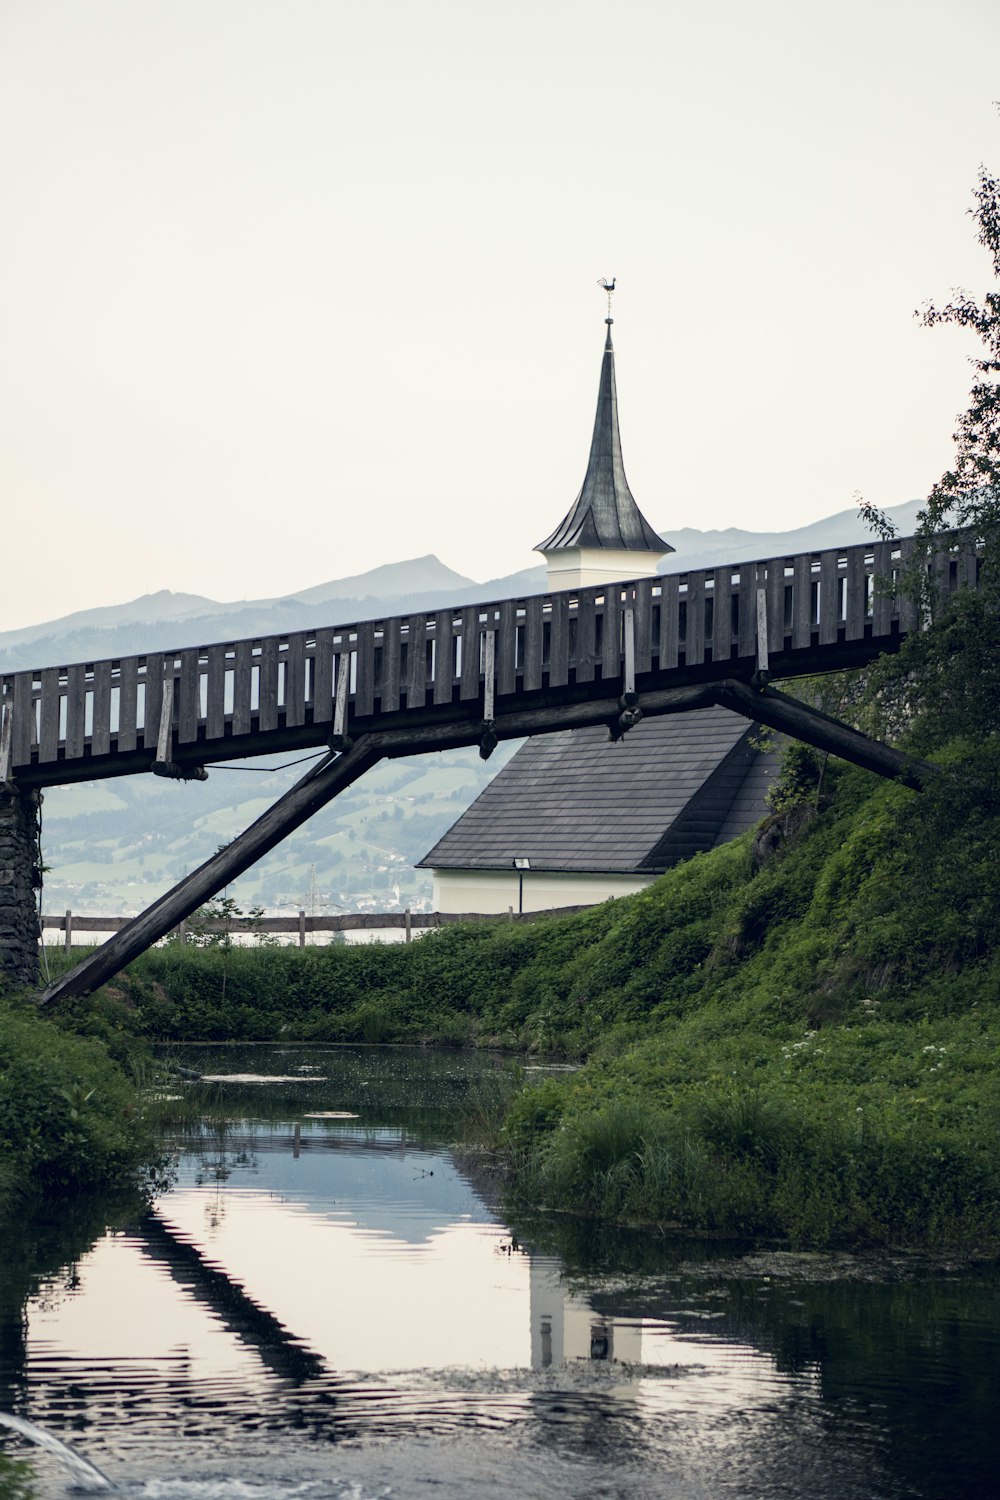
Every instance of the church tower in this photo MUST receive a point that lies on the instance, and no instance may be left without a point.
(604, 537)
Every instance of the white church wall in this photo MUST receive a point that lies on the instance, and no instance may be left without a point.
(495, 891)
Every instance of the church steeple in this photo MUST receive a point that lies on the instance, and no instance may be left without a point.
(604, 518)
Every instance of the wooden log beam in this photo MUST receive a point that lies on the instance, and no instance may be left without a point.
(792, 717)
(313, 791)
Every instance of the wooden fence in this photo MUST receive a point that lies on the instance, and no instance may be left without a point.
(302, 925)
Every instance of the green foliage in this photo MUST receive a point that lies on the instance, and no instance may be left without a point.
(70, 1120)
(16, 1481)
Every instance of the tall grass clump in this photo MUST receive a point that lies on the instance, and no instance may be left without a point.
(70, 1119)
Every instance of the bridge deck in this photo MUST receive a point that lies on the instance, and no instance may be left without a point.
(825, 610)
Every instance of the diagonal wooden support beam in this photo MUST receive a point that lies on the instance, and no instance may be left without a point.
(307, 796)
(792, 717)
(318, 787)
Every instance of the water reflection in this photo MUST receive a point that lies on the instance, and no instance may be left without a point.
(312, 1286)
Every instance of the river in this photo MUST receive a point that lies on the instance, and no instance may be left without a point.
(327, 1302)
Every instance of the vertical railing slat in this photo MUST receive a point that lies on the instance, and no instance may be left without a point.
(470, 652)
(100, 731)
(243, 688)
(188, 698)
(694, 646)
(611, 634)
(444, 656)
(416, 662)
(669, 622)
(586, 635)
(267, 703)
(215, 698)
(151, 703)
(364, 683)
(857, 597)
(23, 710)
(76, 711)
(775, 605)
(49, 715)
(322, 705)
(128, 703)
(389, 685)
(829, 598)
(722, 614)
(907, 607)
(746, 634)
(533, 635)
(882, 608)
(295, 680)
(507, 648)
(559, 641)
(643, 608)
(802, 602)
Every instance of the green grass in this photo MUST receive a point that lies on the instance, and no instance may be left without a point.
(71, 1120)
(805, 1051)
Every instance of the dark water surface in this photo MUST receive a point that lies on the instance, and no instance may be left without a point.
(336, 1310)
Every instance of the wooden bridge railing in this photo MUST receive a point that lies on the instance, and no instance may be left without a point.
(198, 704)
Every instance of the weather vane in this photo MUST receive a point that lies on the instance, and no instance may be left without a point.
(609, 287)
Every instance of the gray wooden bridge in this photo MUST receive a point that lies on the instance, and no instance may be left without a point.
(474, 674)
(184, 709)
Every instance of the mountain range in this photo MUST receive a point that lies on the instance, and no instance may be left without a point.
(166, 620)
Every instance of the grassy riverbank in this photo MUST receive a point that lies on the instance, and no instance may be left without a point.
(804, 1048)
(71, 1120)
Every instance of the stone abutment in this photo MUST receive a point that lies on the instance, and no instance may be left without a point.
(20, 878)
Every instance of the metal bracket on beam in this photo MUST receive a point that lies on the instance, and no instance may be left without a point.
(340, 740)
(164, 764)
(762, 675)
(488, 740)
(629, 712)
(6, 724)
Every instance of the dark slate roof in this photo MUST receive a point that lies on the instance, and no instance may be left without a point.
(604, 513)
(575, 801)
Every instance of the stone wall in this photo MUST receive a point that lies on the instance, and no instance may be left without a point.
(20, 878)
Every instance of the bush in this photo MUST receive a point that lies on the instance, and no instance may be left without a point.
(70, 1120)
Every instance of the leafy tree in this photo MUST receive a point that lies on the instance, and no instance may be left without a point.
(965, 502)
(945, 682)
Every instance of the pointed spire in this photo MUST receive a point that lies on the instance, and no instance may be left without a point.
(604, 514)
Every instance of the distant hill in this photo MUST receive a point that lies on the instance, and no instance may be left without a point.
(167, 621)
(710, 549)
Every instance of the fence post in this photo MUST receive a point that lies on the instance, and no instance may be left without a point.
(408, 923)
(68, 928)
(302, 927)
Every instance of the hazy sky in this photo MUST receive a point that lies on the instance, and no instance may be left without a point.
(292, 289)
